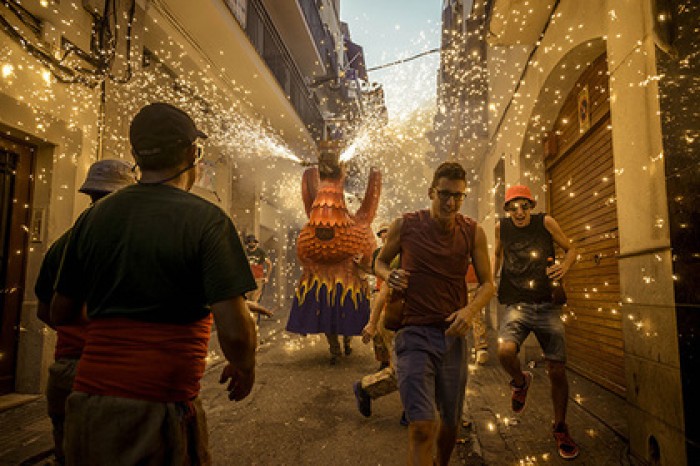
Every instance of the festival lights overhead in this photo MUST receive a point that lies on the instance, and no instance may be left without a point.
(403, 149)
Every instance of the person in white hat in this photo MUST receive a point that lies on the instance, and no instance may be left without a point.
(104, 177)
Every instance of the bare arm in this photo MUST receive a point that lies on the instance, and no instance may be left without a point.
(377, 306)
(238, 339)
(259, 309)
(268, 268)
(462, 318)
(557, 271)
(498, 253)
(392, 247)
(362, 265)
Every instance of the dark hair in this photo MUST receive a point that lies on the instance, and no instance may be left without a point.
(449, 170)
(166, 157)
(328, 164)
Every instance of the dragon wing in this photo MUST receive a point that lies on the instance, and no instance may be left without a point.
(309, 188)
(368, 209)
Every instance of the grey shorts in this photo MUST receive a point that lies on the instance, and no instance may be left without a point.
(542, 319)
(115, 431)
(432, 374)
(59, 386)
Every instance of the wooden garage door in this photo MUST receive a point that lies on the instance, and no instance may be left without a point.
(582, 199)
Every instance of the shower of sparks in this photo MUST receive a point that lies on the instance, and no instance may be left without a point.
(66, 116)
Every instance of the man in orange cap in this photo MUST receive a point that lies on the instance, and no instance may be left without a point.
(525, 249)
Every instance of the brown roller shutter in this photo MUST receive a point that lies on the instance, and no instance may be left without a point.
(581, 180)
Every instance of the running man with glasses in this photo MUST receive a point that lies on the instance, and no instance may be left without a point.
(524, 243)
(436, 246)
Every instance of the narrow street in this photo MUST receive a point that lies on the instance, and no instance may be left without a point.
(302, 412)
(311, 125)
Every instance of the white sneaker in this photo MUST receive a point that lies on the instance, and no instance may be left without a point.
(482, 357)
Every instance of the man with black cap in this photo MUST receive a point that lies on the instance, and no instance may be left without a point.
(260, 265)
(524, 255)
(103, 178)
(152, 263)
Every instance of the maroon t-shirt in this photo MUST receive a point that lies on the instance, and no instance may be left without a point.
(437, 261)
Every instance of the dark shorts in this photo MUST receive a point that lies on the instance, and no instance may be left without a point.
(432, 374)
(542, 319)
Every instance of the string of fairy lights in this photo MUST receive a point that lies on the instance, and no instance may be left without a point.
(247, 143)
(521, 83)
(240, 126)
(397, 150)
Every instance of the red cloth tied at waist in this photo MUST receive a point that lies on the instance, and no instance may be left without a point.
(258, 270)
(159, 362)
(70, 340)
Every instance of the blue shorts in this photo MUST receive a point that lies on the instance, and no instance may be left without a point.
(432, 374)
(542, 319)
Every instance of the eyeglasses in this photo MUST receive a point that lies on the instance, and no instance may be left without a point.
(513, 206)
(445, 195)
(198, 152)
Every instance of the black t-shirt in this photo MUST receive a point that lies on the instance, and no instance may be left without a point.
(153, 253)
(43, 288)
(525, 252)
(257, 256)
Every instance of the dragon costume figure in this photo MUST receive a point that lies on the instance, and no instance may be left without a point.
(333, 247)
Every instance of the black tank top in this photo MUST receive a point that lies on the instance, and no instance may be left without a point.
(525, 252)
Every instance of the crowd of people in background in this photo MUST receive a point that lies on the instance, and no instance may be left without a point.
(134, 286)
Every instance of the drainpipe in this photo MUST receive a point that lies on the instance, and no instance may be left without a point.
(101, 120)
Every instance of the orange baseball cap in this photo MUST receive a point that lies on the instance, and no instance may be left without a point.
(520, 191)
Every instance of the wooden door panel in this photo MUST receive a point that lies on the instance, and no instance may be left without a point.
(16, 164)
(581, 197)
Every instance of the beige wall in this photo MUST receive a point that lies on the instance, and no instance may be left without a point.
(651, 351)
(62, 121)
(622, 29)
(59, 120)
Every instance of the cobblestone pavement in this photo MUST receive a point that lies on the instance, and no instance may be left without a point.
(302, 412)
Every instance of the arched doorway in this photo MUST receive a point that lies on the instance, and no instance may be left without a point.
(581, 197)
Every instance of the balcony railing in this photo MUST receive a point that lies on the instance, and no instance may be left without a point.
(322, 37)
(264, 37)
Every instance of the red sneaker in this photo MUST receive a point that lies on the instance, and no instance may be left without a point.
(517, 400)
(565, 444)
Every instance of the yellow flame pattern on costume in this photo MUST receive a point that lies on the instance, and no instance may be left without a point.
(352, 290)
